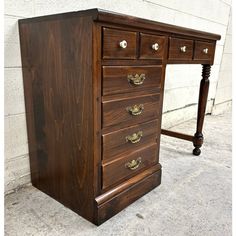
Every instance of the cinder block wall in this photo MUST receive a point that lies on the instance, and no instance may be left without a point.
(182, 81)
(223, 96)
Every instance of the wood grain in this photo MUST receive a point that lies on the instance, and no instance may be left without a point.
(146, 50)
(200, 55)
(97, 94)
(128, 196)
(175, 52)
(111, 41)
(139, 23)
(57, 60)
(115, 79)
(122, 20)
(109, 193)
(115, 170)
(115, 111)
(115, 143)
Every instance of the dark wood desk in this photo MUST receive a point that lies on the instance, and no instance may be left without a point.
(94, 83)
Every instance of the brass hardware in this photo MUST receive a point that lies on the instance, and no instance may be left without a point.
(137, 79)
(183, 49)
(155, 46)
(123, 44)
(205, 50)
(135, 109)
(134, 164)
(135, 137)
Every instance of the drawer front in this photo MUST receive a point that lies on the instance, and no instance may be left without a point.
(125, 167)
(126, 140)
(152, 46)
(180, 49)
(130, 111)
(128, 79)
(204, 51)
(118, 44)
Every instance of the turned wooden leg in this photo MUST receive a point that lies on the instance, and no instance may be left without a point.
(202, 102)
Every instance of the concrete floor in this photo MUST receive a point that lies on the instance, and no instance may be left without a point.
(193, 199)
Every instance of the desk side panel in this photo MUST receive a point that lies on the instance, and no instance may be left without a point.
(57, 73)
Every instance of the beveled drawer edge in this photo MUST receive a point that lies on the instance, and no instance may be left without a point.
(121, 156)
(110, 161)
(109, 194)
(105, 27)
(126, 96)
(134, 62)
(108, 131)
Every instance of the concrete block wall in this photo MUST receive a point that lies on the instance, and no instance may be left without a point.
(223, 96)
(182, 81)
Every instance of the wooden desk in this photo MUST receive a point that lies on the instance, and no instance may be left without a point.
(93, 83)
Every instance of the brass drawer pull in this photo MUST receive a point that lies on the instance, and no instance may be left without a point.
(183, 49)
(135, 110)
(134, 164)
(135, 137)
(205, 50)
(123, 44)
(137, 79)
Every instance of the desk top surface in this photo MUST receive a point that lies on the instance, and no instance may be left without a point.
(101, 15)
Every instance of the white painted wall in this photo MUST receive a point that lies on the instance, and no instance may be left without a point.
(182, 81)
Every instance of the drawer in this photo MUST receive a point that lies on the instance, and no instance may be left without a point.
(180, 49)
(119, 44)
(152, 46)
(204, 51)
(130, 111)
(125, 140)
(128, 79)
(129, 165)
